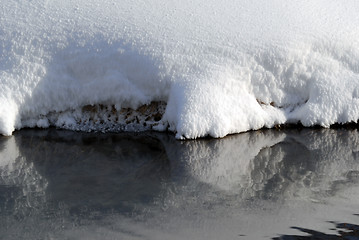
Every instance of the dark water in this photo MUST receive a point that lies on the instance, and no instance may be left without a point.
(257, 185)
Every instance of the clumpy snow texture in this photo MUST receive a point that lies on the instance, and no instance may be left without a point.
(216, 68)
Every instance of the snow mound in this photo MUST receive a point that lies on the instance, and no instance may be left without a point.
(217, 67)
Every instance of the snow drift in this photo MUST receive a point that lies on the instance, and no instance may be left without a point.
(209, 68)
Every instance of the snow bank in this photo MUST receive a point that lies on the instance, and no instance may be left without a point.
(219, 67)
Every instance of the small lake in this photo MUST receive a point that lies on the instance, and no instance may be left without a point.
(269, 184)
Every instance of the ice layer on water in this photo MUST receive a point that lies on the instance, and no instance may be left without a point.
(211, 68)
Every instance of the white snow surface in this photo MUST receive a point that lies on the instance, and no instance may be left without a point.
(221, 66)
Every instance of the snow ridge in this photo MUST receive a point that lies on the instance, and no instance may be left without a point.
(217, 68)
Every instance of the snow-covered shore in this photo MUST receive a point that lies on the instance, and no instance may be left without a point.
(216, 67)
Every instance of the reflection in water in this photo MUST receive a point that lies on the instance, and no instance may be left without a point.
(84, 170)
(272, 164)
(68, 185)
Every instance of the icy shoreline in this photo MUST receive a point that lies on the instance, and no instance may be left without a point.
(103, 118)
(148, 117)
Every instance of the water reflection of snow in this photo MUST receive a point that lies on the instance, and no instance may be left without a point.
(151, 185)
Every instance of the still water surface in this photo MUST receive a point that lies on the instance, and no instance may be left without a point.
(267, 184)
